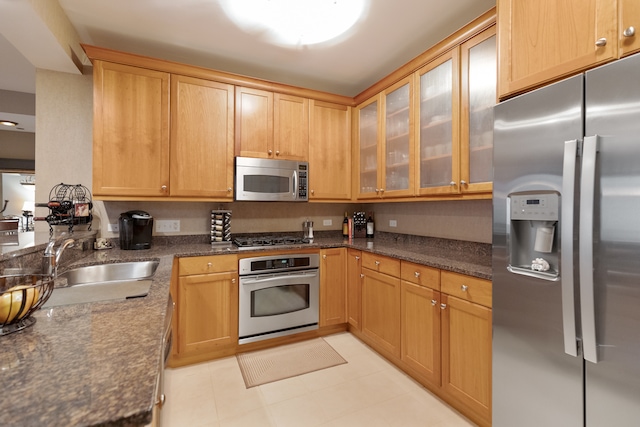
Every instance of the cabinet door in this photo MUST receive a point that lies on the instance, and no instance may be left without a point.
(397, 150)
(466, 354)
(130, 123)
(254, 123)
(291, 127)
(201, 138)
(381, 311)
(208, 312)
(420, 308)
(329, 151)
(438, 130)
(333, 274)
(354, 288)
(629, 26)
(368, 135)
(544, 40)
(478, 97)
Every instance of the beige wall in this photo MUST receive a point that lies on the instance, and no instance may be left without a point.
(64, 150)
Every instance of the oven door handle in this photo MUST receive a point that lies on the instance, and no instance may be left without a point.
(251, 281)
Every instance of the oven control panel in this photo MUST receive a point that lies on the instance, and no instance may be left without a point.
(270, 264)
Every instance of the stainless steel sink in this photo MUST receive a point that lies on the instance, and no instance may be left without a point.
(93, 274)
(97, 283)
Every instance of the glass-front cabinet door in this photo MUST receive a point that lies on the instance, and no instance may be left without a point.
(479, 77)
(398, 142)
(368, 134)
(437, 133)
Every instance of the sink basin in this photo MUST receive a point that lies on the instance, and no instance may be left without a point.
(97, 283)
(93, 274)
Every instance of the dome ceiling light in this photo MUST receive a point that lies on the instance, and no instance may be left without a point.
(295, 22)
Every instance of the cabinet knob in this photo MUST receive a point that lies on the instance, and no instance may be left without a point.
(209, 265)
(377, 262)
(382, 190)
(601, 42)
(362, 276)
(229, 189)
(629, 32)
(433, 302)
(269, 152)
(277, 153)
(377, 190)
(464, 288)
(163, 188)
(357, 257)
(463, 182)
(443, 306)
(452, 183)
(233, 280)
(417, 274)
(313, 192)
(324, 257)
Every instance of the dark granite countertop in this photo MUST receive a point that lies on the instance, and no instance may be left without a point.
(97, 363)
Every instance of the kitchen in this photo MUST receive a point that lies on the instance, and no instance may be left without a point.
(457, 220)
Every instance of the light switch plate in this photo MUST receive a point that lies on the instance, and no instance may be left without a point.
(167, 225)
(113, 228)
(393, 223)
(327, 222)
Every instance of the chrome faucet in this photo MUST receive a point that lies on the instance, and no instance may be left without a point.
(52, 259)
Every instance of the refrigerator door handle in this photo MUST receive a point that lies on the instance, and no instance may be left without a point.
(587, 199)
(566, 267)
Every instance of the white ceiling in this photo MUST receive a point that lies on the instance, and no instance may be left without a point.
(198, 32)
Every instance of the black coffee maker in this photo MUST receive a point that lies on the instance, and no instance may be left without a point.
(135, 230)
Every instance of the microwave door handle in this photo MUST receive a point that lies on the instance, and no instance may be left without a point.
(295, 185)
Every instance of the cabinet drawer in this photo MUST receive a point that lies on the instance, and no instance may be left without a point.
(420, 275)
(207, 264)
(381, 264)
(466, 287)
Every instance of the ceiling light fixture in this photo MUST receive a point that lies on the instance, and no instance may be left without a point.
(8, 123)
(295, 22)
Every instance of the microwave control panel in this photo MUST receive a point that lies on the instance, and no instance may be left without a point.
(302, 180)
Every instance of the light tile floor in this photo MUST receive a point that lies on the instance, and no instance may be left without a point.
(366, 391)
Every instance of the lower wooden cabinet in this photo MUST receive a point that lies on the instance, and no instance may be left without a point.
(207, 305)
(381, 309)
(333, 296)
(354, 288)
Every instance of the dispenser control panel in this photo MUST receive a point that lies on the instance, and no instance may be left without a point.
(536, 207)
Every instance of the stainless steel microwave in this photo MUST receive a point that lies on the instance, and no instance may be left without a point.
(269, 180)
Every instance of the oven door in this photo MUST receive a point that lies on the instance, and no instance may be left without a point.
(278, 304)
(266, 180)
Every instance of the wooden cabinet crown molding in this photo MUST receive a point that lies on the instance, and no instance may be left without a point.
(114, 56)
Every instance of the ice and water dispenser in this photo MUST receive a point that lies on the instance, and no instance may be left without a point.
(533, 241)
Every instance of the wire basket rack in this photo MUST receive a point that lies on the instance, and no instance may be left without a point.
(68, 205)
(20, 296)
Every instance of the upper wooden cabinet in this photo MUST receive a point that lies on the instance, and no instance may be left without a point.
(545, 40)
(181, 126)
(201, 138)
(271, 126)
(329, 151)
(385, 143)
(130, 123)
(454, 112)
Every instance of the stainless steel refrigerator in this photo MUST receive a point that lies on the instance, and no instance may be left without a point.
(566, 252)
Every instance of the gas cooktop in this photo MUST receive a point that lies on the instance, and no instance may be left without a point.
(262, 241)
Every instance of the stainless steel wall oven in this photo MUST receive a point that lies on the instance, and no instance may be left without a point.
(279, 295)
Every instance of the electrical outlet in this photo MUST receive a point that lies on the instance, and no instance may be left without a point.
(327, 222)
(393, 223)
(167, 225)
(114, 228)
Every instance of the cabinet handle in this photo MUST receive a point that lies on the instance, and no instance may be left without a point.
(601, 42)
(463, 182)
(443, 306)
(464, 288)
(209, 265)
(377, 190)
(277, 152)
(362, 276)
(357, 257)
(629, 32)
(313, 191)
(377, 263)
(452, 183)
(163, 188)
(433, 302)
(324, 257)
(417, 274)
(382, 190)
(233, 280)
(269, 152)
(229, 189)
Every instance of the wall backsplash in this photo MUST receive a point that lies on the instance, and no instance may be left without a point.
(64, 118)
